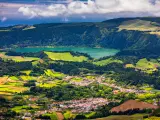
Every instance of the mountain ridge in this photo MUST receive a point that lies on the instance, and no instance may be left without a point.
(122, 33)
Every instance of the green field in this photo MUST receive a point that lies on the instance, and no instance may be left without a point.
(107, 61)
(67, 56)
(17, 58)
(53, 74)
(53, 116)
(147, 66)
(12, 88)
(68, 115)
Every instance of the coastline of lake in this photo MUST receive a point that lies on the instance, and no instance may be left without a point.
(93, 52)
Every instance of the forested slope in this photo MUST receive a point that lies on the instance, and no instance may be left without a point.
(125, 34)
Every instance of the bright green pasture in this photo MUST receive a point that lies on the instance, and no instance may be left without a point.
(53, 116)
(107, 61)
(147, 66)
(24, 108)
(12, 88)
(68, 115)
(51, 84)
(14, 78)
(66, 56)
(18, 58)
(51, 73)
(89, 115)
(27, 77)
(27, 72)
(77, 79)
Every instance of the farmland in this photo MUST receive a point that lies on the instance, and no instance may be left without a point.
(107, 61)
(17, 58)
(65, 57)
(64, 85)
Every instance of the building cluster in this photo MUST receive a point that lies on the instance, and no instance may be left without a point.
(80, 106)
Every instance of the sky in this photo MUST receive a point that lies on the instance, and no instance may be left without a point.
(62, 11)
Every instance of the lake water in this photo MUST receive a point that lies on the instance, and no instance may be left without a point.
(93, 52)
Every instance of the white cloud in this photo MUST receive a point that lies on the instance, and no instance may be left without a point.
(102, 7)
(3, 19)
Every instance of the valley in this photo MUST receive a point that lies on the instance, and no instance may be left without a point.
(45, 84)
(108, 70)
(93, 52)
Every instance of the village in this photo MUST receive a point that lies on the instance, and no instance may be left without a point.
(79, 106)
(101, 80)
(85, 105)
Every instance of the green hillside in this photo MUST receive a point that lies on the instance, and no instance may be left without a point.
(66, 56)
(123, 33)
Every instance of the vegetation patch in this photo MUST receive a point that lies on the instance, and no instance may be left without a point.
(14, 78)
(51, 73)
(27, 77)
(147, 66)
(107, 61)
(52, 116)
(12, 89)
(129, 66)
(68, 115)
(18, 58)
(66, 56)
(21, 109)
(139, 25)
(29, 28)
(27, 72)
(77, 79)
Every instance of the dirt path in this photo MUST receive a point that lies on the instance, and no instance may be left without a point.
(60, 116)
(3, 80)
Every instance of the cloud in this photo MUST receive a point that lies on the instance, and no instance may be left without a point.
(3, 19)
(103, 7)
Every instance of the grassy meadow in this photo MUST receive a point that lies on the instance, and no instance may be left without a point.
(107, 61)
(17, 58)
(67, 56)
